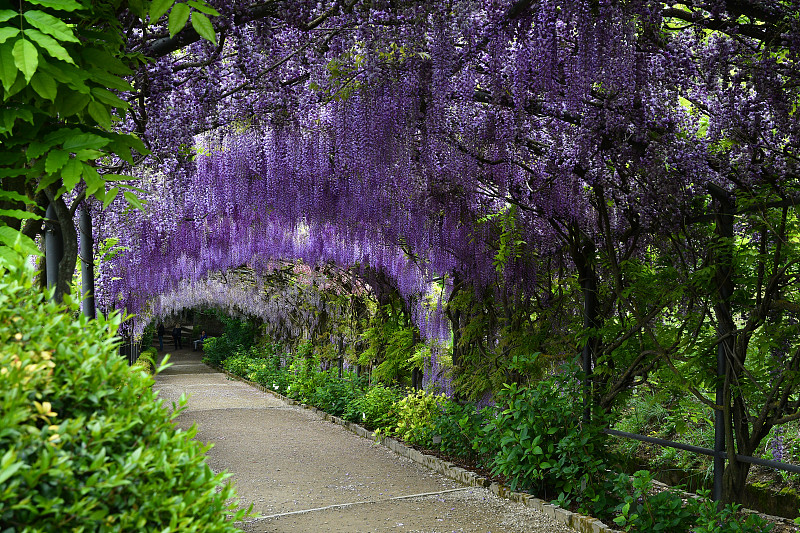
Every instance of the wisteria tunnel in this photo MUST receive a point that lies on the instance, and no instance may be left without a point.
(458, 195)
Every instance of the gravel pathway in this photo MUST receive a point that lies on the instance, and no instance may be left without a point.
(305, 474)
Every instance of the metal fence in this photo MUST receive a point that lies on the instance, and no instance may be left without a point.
(130, 350)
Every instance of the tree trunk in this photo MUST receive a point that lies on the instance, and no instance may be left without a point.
(734, 480)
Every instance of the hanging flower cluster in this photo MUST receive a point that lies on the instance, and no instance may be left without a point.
(382, 137)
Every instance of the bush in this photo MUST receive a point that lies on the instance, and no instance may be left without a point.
(542, 443)
(86, 444)
(375, 409)
(416, 415)
(145, 362)
(641, 510)
(238, 335)
(266, 369)
(240, 363)
(333, 394)
(460, 427)
(644, 509)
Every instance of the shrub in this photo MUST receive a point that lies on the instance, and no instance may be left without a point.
(333, 394)
(215, 351)
(265, 369)
(542, 444)
(375, 409)
(710, 519)
(303, 376)
(644, 509)
(416, 415)
(459, 427)
(240, 363)
(145, 362)
(86, 444)
(238, 335)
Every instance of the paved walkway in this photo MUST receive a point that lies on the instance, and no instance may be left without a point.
(305, 474)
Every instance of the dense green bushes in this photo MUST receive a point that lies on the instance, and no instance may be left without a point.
(84, 442)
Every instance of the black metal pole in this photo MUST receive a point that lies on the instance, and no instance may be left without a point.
(589, 286)
(53, 247)
(87, 263)
(719, 427)
(724, 281)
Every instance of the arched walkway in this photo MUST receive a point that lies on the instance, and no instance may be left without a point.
(305, 474)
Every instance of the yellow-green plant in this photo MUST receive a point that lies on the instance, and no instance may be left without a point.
(416, 416)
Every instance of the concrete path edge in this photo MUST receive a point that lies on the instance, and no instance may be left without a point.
(575, 521)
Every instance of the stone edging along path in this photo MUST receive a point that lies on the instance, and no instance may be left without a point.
(578, 522)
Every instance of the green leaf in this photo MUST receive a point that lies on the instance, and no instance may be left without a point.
(10, 470)
(37, 149)
(84, 140)
(46, 180)
(8, 69)
(45, 85)
(56, 159)
(133, 200)
(61, 135)
(158, 8)
(203, 26)
(177, 18)
(70, 75)
(61, 5)
(7, 14)
(110, 195)
(50, 45)
(203, 7)
(71, 173)
(107, 97)
(10, 117)
(137, 8)
(8, 32)
(100, 114)
(94, 181)
(19, 214)
(71, 102)
(14, 239)
(108, 80)
(26, 58)
(89, 154)
(12, 172)
(16, 197)
(99, 58)
(18, 85)
(51, 25)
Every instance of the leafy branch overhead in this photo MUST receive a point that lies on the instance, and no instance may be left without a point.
(64, 71)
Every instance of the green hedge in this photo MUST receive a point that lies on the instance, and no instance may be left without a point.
(146, 361)
(84, 443)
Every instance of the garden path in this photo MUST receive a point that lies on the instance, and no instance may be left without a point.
(302, 473)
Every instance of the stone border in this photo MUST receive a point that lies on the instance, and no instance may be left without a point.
(575, 521)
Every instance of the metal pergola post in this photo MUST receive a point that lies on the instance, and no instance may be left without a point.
(724, 279)
(589, 286)
(53, 247)
(87, 263)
